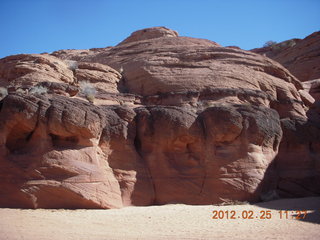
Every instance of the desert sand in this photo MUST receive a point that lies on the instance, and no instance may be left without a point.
(175, 221)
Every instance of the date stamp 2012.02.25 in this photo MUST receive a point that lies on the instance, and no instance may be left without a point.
(263, 214)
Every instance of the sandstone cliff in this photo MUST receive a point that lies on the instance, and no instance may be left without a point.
(169, 120)
(300, 56)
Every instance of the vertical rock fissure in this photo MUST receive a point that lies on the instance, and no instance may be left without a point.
(203, 128)
(138, 148)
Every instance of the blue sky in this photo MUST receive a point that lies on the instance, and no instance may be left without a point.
(36, 26)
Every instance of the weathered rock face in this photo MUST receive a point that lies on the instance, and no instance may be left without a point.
(150, 33)
(300, 56)
(59, 76)
(59, 152)
(49, 155)
(298, 158)
(160, 65)
(220, 154)
(180, 120)
(313, 87)
(298, 162)
(26, 70)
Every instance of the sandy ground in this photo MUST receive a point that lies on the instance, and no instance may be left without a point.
(166, 222)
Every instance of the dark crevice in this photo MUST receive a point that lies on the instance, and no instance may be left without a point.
(311, 147)
(276, 144)
(203, 182)
(137, 145)
(121, 86)
(202, 124)
(17, 141)
(29, 136)
(64, 142)
(1, 104)
(203, 127)
(138, 148)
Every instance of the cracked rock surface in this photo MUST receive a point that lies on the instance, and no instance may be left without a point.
(174, 120)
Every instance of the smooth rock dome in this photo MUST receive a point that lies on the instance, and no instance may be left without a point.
(149, 33)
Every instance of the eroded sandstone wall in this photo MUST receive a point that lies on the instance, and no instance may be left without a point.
(173, 120)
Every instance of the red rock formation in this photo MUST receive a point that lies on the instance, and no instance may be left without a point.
(297, 161)
(174, 120)
(313, 87)
(300, 56)
(150, 33)
(26, 70)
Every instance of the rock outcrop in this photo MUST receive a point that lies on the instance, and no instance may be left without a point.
(150, 33)
(298, 159)
(313, 87)
(173, 120)
(300, 56)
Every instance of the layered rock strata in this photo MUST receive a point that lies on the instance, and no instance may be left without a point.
(171, 120)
